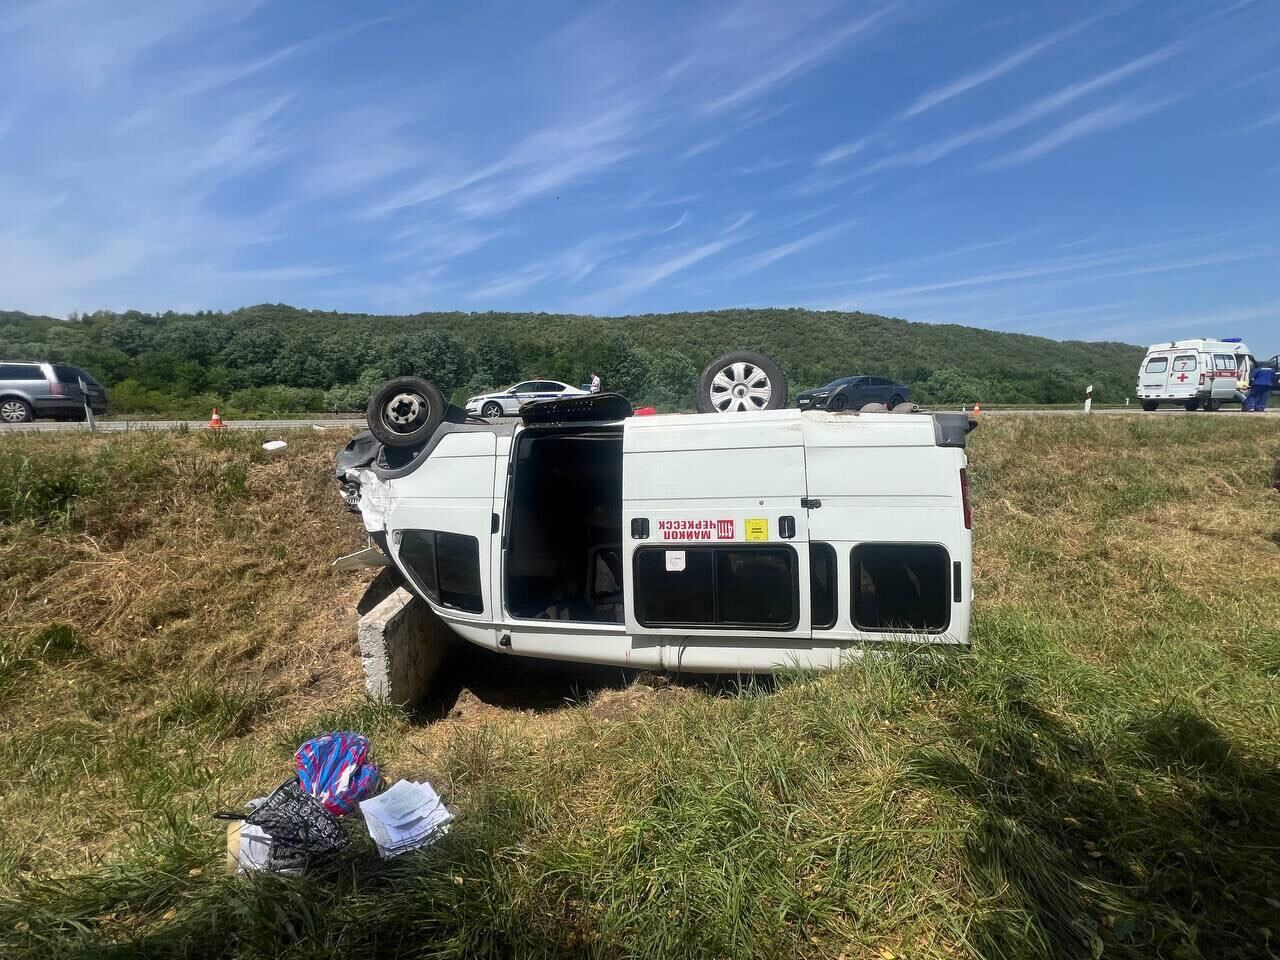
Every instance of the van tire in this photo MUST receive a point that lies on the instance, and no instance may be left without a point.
(405, 412)
(723, 386)
(1213, 406)
(1192, 405)
(14, 410)
(1149, 405)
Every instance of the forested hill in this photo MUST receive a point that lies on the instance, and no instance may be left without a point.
(280, 359)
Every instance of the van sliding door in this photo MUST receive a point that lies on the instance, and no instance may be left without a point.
(715, 536)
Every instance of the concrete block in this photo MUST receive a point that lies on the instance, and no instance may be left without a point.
(402, 643)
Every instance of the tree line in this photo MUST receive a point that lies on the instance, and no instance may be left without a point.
(277, 359)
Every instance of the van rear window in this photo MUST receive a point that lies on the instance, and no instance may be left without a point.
(1157, 365)
(901, 587)
(740, 586)
(1184, 364)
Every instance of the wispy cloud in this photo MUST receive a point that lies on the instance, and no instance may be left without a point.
(842, 151)
(1031, 112)
(758, 261)
(647, 275)
(680, 222)
(1096, 121)
(992, 71)
(1268, 121)
(818, 47)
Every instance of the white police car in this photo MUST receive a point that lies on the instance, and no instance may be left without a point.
(507, 403)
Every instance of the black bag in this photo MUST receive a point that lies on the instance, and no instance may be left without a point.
(302, 831)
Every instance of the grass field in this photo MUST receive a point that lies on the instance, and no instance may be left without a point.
(1100, 776)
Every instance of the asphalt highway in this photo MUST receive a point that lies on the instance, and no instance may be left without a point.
(355, 424)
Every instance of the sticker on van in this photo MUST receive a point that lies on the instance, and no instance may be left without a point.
(696, 529)
(757, 528)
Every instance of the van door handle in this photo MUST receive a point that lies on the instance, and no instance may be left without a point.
(787, 527)
(639, 528)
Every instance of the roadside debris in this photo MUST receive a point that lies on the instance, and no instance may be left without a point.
(271, 446)
(284, 833)
(337, 771)
(408, 816)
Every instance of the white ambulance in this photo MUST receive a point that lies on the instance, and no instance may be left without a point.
(740, 542)
(1194, 373)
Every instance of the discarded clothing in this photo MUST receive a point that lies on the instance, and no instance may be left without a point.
(337, 771)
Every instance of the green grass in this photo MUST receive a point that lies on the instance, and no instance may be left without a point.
(1099, 776)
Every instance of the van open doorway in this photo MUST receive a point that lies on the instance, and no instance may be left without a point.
(562, 555)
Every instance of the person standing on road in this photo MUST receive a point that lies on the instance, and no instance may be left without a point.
(595, 382)
(1260, 384)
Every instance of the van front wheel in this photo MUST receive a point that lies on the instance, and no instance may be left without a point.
(405, 412)
(1212, 406)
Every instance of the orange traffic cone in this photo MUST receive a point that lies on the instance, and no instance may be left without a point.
(977, 409)
(215, 421)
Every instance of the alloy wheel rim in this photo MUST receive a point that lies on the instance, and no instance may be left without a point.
(740, 386)
(12, 411)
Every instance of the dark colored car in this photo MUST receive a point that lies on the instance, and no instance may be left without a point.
(851, 393)
(31, 390)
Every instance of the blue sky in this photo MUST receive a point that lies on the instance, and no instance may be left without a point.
(1095, 171)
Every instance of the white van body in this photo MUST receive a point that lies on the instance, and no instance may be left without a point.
(1192, 373)
(720, 543)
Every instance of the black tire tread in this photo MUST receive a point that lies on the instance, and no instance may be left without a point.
(435, 411)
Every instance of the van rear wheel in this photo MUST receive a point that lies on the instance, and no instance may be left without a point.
(1149, 405)
(1193, 405)
(405, 412)
(742, 380)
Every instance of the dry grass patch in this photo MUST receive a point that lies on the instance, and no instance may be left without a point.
(1098, 777)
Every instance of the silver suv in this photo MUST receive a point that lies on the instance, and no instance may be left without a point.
(30, 390)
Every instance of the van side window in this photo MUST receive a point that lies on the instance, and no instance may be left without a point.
(1224, 361)
(822, 585)
(1184, 364)
(901, 587)
(731, 586)
(1157, 365)
(446, 566)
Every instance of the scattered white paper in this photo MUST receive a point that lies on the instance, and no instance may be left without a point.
(675, 560)
(273, 445)
(407, 816)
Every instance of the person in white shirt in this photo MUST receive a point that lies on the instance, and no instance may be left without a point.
(595, 382)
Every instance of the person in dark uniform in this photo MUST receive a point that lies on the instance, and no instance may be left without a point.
(1260, 385)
